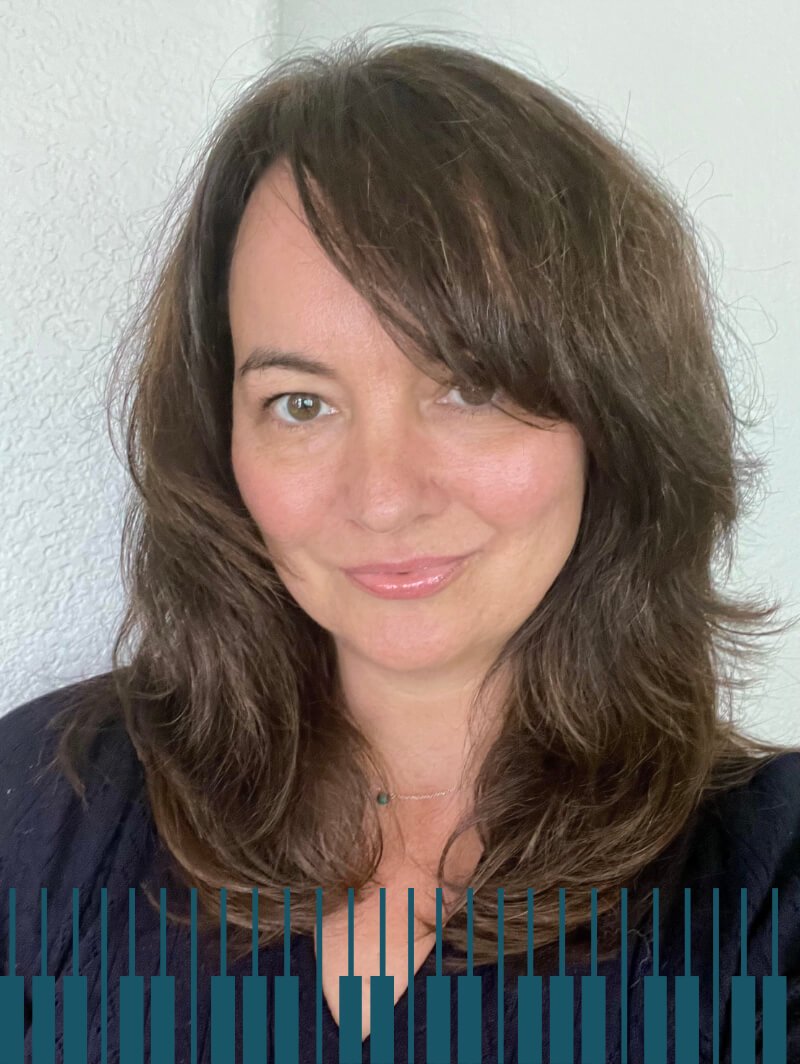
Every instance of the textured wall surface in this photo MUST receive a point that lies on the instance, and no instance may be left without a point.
(102, 103)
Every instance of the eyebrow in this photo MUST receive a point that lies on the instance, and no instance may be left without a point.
(264, 357)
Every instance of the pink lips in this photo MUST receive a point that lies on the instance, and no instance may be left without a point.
(409, 565)
(429, 576)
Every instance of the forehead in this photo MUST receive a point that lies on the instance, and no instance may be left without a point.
(275, 249)
(285, 292)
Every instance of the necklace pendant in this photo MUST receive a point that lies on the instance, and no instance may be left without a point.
(383, 798)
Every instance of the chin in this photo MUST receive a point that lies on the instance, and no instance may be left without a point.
(402, 656)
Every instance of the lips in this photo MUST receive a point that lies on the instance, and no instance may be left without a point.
(407, 567)
(417, 583)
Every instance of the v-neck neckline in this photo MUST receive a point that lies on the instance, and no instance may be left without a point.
(330, 1028)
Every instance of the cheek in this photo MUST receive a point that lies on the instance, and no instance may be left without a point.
(286, 504)
(528, 483)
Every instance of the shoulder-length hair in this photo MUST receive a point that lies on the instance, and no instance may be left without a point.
(506, 240)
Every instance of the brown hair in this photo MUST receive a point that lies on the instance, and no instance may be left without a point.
(450, 190)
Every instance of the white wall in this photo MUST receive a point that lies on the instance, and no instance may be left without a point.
(101, 105)
(100, 108)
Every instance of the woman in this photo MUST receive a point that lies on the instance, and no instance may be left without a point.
(433, 451)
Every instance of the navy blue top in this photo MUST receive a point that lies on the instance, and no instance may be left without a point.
(749, 837)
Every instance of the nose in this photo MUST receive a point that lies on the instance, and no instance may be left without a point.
(389, 474)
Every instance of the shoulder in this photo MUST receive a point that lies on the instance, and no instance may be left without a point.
(741, 842)
(759, 821)
(737, 864)
(742, 859)
(52, 838)
(747, 852)
(29, 735)
(42, 817)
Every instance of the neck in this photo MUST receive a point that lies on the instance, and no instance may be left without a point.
(417, 723)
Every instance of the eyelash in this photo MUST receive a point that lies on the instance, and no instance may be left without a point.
(483, 408)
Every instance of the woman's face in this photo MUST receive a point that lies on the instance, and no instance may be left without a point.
(376, 461)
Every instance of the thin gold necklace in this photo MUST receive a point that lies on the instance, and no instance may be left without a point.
(384, 797)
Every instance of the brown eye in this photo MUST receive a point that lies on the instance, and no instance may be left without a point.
(475, 395)
(301, 408)
(304, 405)
(475, 400)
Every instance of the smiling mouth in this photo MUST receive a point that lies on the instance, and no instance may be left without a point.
(412, 583)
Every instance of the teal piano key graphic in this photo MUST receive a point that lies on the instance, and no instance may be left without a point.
(44, 999)
(774, 1019)
(44, 1018)
(254, 1002)
(687, 997)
